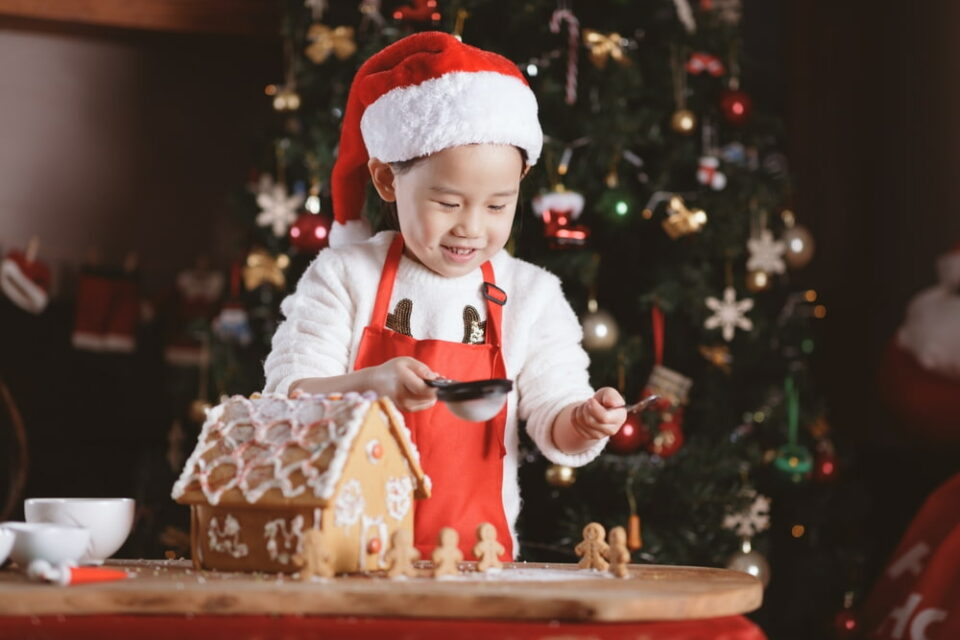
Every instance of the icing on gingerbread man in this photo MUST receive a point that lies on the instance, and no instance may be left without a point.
(316, 559)
(593, 548)
(401, 555)
(447, 555)
(487, 549)
(618, 554)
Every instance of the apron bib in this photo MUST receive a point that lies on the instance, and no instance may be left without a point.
(463, 459)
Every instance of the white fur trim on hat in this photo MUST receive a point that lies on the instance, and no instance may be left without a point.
(350, 232)
(463, 107)
(20, 289)
(930, 333)
(948, 269)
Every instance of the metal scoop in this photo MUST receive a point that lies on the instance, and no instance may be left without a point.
(474, 401)
(640, 406)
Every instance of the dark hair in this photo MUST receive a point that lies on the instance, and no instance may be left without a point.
(388, 210)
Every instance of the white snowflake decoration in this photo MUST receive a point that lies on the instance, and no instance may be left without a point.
(729, 313)
(277, 209)
(752, 521)
(349, 505)
(766, 254)
(292, 539)
(398, 496)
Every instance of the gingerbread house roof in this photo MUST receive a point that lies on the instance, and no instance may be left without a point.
(274, 449)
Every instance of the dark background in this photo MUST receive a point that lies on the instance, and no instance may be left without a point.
(869, 95)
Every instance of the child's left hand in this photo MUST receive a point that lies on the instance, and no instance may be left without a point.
(600, 416)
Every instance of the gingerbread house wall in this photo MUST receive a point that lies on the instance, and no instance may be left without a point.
(385, 487)
(373, 498)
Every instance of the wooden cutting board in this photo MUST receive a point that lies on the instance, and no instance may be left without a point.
(522, 591)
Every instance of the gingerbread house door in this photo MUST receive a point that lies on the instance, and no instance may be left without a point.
(373, 542)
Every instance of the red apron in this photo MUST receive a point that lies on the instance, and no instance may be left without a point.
(463, 459)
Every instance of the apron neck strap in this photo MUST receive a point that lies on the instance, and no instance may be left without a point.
(495, 296)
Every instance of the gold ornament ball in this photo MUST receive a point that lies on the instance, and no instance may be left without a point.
(749, 561)
(559, 475)
(600, 331)
(683, 121)
(799, 244)
(198, 410)
(758, 280)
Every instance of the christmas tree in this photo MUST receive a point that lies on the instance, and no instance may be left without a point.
(663, 201)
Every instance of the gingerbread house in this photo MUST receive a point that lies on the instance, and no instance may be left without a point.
(268, 468)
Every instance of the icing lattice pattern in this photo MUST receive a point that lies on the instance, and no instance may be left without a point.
(269, 442)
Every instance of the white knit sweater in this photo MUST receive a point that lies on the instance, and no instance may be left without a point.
(332, 304)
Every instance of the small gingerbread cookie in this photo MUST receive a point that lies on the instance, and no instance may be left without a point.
(487, 549)
(401, 555)
(593, 548)
(316, 559)
(618, 554)
(447, 555)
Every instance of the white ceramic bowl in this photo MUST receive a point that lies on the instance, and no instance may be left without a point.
(6, 543)
(108, 519)
(51, 542)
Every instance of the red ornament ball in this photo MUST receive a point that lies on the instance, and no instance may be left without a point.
(736, 106)
(825, 467)
(846, 625)
(669, 439)
(311, 232)
(632, 435)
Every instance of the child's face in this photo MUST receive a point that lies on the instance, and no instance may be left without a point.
(456, 207)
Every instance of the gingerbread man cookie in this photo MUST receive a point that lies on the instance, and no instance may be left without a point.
(401, 555)
(618, 554)
(487, 549)
(593, 548)
(447, 555)
(316, 559)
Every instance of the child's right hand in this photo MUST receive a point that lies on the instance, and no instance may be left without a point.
(402, 380)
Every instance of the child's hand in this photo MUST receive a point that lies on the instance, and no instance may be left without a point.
(600, 416)
(402, 379)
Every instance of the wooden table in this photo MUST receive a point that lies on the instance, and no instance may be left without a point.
(171, 599)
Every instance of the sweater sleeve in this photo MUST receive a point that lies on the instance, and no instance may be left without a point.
(314, 339)
(554, 374)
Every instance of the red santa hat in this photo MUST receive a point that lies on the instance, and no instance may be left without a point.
(25, 281)
(422, 94)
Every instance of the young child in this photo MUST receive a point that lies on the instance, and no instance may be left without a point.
(446, 132)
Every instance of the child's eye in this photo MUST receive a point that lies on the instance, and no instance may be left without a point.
(498, 207)
(448, 205)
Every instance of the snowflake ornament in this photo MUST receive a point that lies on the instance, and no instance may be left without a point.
(277, 209)
(766, 254)
(752, 521)
(729, 313)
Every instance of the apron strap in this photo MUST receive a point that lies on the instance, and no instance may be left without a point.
(496, 298)
(382, 304)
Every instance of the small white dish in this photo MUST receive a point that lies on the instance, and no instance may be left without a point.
(109, 520)
(6, 544)
(51, 542)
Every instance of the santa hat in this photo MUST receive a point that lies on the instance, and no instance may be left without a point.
(422, 94)
(25, 281)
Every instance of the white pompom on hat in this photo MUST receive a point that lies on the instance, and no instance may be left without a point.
(422, 94)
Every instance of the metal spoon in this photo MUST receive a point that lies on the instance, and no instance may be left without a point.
(640, 406)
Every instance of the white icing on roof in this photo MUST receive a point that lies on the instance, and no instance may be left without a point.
(295, 445)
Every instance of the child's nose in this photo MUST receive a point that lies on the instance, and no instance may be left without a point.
(470, 222)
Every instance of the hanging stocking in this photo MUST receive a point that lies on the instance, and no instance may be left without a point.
(673, 389)
(26, 280)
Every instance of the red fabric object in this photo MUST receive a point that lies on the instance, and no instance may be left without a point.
(108, 311)
(420, 95)
(926, 401)
(463, 459)
(26, 282)
(318, 628)
(918, 595)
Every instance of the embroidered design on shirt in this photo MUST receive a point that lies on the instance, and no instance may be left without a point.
(399, 320)
(474, 331)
